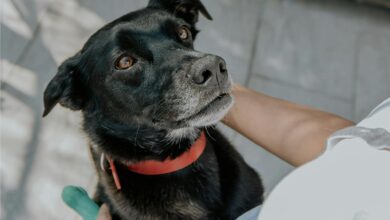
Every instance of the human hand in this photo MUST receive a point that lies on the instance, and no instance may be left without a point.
(104, 213)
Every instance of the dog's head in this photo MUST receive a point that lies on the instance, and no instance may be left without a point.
(142, 69)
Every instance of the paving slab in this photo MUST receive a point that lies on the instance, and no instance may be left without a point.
(15, 33)
(20, 20)
(312, 44)
(373, 72)
(110, 10)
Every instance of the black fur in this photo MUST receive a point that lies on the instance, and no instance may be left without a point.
(156, 110)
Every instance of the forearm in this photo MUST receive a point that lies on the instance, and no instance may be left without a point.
(293, 132)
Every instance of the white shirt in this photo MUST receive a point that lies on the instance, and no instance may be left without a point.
(349, 181)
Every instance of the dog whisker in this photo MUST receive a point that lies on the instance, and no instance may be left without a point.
(208, 133)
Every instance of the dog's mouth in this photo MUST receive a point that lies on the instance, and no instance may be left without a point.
(211, 113)
(216, 104)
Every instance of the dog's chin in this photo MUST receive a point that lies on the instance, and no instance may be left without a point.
(189, 127)
(209, 115)
(212, 113)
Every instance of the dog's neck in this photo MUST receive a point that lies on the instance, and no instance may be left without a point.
(154, 167)
(137, 143)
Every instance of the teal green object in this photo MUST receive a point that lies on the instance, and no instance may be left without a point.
(77, 199)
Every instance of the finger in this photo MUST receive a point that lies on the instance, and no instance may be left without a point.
(104, 213)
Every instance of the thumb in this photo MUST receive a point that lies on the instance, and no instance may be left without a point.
(104, 213)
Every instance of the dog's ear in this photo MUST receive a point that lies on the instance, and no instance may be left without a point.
(65, 87)
(185, 9)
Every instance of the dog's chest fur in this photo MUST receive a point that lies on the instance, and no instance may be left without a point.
(191, 193)
(181, 206)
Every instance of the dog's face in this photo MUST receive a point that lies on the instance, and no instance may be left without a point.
(142, 69)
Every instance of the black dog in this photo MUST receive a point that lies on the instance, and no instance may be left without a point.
(147, 97)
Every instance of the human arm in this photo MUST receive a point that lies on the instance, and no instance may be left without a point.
(293, 132)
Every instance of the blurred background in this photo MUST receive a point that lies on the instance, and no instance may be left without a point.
(332, 55)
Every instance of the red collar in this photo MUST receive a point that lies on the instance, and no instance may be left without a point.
(154, 167)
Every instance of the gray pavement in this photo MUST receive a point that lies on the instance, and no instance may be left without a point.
(332, 55)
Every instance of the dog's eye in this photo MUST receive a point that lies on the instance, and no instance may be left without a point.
(124, 63)
(184, 33)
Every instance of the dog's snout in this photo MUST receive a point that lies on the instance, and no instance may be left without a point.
(208, 70)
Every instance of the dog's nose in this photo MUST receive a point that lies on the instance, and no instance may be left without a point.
(208, 70)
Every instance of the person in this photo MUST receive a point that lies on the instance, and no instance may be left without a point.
(295, 133)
